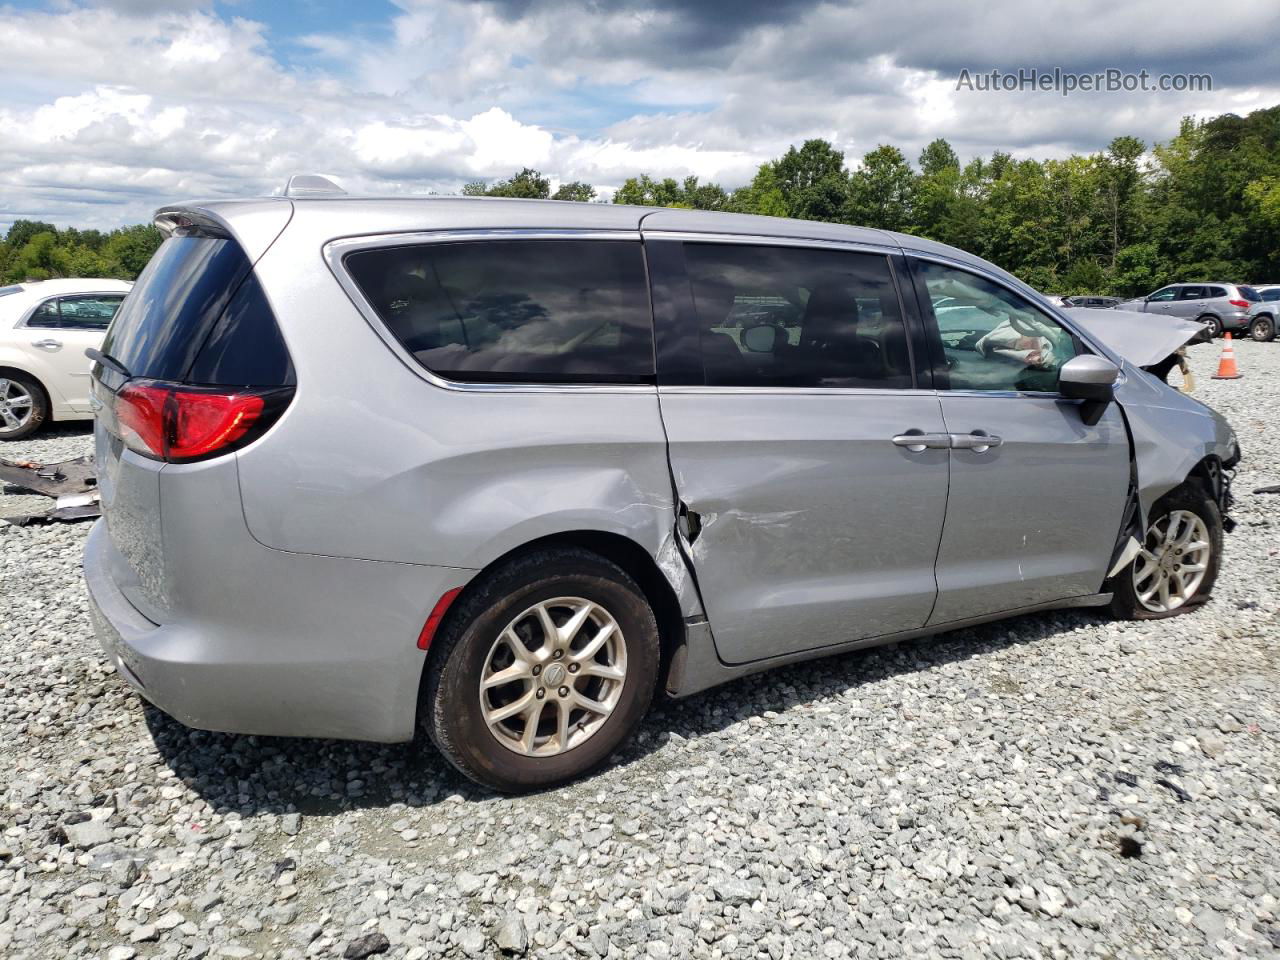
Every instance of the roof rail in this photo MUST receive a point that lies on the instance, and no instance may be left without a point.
(312, 185)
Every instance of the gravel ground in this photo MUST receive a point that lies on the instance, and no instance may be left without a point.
(1052, 786)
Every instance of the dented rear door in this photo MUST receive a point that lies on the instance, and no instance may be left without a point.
(807, 525)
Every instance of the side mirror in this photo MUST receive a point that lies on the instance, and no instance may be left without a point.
(1092, 379)
(761, 338)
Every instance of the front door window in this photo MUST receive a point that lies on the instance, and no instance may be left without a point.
(993, 339)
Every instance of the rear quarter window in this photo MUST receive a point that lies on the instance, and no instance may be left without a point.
(518, 311)
(198, 315)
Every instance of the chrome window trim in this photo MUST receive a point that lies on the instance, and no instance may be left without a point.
(22, 322)
(680, 389)
(334, 252)
(1042, 304)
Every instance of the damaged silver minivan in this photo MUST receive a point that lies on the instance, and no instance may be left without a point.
(503, 469)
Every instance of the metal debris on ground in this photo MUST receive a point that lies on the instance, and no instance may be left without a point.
(71, 484)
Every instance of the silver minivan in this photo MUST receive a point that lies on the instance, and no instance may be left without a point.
(506, 469)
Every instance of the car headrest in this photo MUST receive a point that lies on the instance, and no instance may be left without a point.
(831, 312)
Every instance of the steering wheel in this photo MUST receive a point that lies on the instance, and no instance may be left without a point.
(1023, 326)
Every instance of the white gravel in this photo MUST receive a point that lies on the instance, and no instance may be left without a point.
(1053, 786)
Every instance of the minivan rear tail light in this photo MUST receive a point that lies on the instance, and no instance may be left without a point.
(179, 423)
(1242, 304)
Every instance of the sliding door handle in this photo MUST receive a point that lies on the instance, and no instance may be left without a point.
(917, 442)
(977, 441)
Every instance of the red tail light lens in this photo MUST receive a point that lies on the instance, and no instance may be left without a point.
(180, 424)
(204, 423)
(1242, 304)
(140, 413)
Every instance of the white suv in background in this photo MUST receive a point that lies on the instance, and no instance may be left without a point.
(45, 328)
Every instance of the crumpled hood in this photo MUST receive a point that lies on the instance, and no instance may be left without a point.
(1144, 339)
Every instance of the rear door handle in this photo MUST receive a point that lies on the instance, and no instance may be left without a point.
(48, 344)
(977, 441)
(917, 442)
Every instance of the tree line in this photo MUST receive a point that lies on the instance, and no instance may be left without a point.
(1124, 220)
(34, 250)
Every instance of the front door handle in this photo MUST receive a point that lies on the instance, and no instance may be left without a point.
(977, 441)
(917, 442)
(48, 344)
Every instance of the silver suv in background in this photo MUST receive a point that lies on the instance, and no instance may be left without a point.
(1224, 306)
(505, 469)
(1264, 314)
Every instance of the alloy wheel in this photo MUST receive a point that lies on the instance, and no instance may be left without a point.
(16, 406)
(553, 676)
(1262, 330)
(1173, 561)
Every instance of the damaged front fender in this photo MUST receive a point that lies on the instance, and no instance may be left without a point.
(1172, 435)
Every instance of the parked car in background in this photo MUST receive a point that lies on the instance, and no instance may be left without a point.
(548, 459)
(1264, 314)
(1223, 305)
(45, 328)
(1092, 302)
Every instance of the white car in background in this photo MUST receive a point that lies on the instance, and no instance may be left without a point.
(45, 328)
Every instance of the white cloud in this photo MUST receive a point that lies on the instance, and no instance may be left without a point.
(110, 112)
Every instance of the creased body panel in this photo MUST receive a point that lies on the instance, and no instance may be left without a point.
(1157, 414)
(815, 528)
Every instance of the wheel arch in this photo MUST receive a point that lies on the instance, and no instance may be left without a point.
(637, 562)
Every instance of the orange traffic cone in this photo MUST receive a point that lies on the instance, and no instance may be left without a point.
(1227, 363)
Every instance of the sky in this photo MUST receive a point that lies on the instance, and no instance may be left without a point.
(111, 109)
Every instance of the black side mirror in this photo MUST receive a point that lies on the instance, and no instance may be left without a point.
(761, 337)
(1092, 379)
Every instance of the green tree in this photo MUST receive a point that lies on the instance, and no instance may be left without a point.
(813, 181)
(882, 190)
(20, 231)
(127, 250)
(528, 184)
(576, 190)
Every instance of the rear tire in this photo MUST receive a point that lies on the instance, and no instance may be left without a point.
(1263, 329)
(1215, 325)
(566, 707)
(23, 406)
(1176, 571)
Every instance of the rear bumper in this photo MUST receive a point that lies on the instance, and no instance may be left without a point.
(1235, 321)
(305, 646)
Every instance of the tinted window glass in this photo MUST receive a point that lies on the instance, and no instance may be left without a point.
(993, 339)
(787, 316)
(174, 305)
(1214, 292)
(523, 311)
(1249, 294)
(89, 312)
(1271, 293)
(1168, 293)
(1192, 293)
(245, 348)
(45, 315)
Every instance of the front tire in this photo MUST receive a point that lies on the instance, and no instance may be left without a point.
(542, 671)
(1263, 329)
(1178, 565)
(23, 406)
